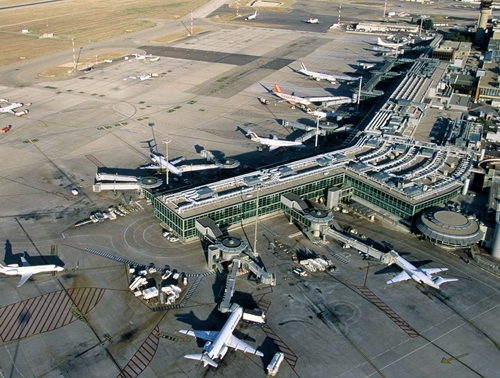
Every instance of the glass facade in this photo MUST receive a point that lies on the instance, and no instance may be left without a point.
(185, 227)
(392, 203)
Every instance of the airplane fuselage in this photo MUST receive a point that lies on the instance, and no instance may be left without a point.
(274, 143)
(280, 143)
(293, 99)
(318, 76)
(11, 270)
(218, 348)
(390, 45)
(422, 276)
(163, 163)
(10, 108)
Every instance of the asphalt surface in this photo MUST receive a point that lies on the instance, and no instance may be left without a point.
(86, 322)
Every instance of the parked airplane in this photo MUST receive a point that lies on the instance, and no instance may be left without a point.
(421, 275)
(149, 57)
(380, 49)
(316, 75)
(159, 162)
(11, 109)
(292, 99)
(26, 270)
(311, 21)
(142, 57)
(391, 45)
(274, 143)
(251, 17)
(366, 66)
(219, 342)
(322, 114)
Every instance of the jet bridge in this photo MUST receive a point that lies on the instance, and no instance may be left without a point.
(263, 276)
(361, 247)
(119, 182)
(226, 163)
(225, 305)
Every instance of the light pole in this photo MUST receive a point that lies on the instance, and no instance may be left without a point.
(166, 141)
(317, 131)
(256, 222)
(359, 93)
(78, 59)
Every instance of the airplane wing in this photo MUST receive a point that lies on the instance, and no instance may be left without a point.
(25, 263)
(203, 358)
(174, 162)
(403, 276)
(205, 335)
(272, 148)
(434, 270)
(24, 278)
(275, 137)
(152, 167)
(234, 342)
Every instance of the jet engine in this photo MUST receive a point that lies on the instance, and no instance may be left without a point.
(223, 352)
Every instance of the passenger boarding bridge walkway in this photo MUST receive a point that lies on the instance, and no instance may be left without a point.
(356, 244)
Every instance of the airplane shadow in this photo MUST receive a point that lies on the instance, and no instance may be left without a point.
(214, 322)
(242, 130)
(266, 88)
(294, 70)
(151, 145)
(11, 258)
(137, 172)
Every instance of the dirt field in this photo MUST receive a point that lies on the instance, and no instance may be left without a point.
(52, 26)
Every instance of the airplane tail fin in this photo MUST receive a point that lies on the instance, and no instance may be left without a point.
(277, 89)
(379, 41)
(203, 358)
(303, 66)
(440, 280)
(252, 135)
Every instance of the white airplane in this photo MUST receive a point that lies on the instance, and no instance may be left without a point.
(311, 21)
(322, 114)
(149, 57)
(159, 162)
(11, 109)
(381, 49)
(26, 270)
(142, 56)
(366, 66)
(251, 17)
(316, 75)
(292, 99)
(421, 275)
(274, 143)
(219, 342)
(391, 45)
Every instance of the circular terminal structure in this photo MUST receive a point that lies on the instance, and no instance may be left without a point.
(231, 245)
(319, 216)
(449, 228)
(149, 182)
(227, 163)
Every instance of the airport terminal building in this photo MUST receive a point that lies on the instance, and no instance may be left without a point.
(385, 166)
